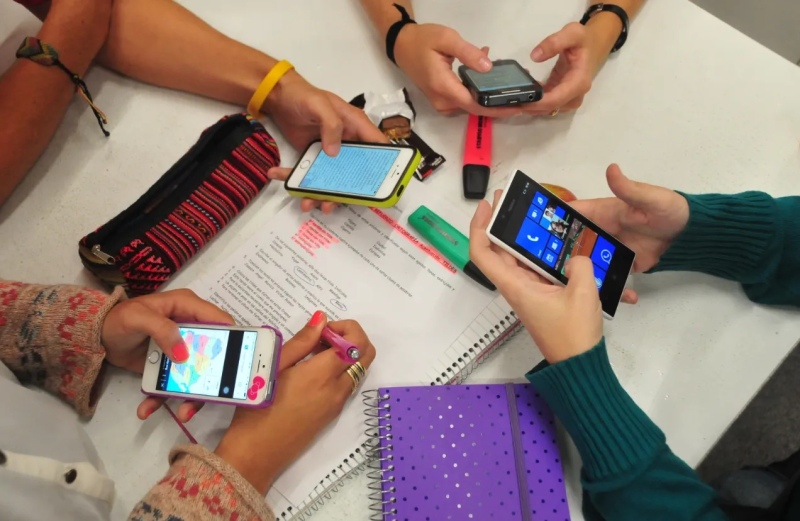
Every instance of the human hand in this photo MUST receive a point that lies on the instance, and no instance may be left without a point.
(278, 173)
(644, 217)
(425, 52)
(564, 321)
(311, 392)
(305, 113)
(571, 78)
(129, 326)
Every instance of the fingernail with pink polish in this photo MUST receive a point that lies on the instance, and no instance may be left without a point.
(316, 318)
(190, 415)
(180, 352)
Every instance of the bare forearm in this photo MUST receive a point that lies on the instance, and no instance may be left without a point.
(604, 29)
(383, 13)
(34, 98)
(160, 42)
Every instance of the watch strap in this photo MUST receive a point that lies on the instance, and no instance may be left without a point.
(394, 30)
(610, 8)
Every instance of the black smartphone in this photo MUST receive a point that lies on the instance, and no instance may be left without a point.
(508, 83)
(543, 232)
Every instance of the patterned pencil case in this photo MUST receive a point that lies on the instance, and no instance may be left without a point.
(142, 247)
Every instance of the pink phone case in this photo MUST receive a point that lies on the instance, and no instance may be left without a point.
(272, 376)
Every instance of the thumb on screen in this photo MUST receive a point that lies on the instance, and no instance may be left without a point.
(580, 272)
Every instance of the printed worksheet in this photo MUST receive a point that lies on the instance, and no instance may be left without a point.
(358, 263)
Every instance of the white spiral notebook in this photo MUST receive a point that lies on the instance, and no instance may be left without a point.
(430, 323)
(473, 346)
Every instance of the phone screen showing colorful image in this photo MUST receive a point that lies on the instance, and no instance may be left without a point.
(219, 365)
(548, 232)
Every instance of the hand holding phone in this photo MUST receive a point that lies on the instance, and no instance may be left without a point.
(543, 232)
(425, 52)
(365, 174)
(645, 217)
(571, 77)
(314, 388)
(563, 321)
(506, 83)
(226, 364)
(131, 325)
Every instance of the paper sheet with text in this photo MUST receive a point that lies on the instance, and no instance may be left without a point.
(359, 263)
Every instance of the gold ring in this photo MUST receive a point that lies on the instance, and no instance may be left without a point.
(356, 373)
(554, 113)
(359, 368)
(355, 380)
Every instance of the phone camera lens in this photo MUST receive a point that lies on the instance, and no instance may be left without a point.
(530, 97)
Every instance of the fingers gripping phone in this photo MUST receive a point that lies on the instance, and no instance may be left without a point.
(544, 232)
(227, 364)
(507, 83)
(362, 173)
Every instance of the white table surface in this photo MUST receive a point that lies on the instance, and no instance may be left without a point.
(689, 103)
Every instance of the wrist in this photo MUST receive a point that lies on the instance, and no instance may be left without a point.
(565, 346)
(603, 30)
(388, 16)
(403, 43)
(254, 68)
(281, 89)
(248, 459)
(569, 349)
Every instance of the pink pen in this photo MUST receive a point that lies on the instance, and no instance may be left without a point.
(346, 351)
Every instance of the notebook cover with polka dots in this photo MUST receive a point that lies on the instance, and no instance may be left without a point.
(464, 452)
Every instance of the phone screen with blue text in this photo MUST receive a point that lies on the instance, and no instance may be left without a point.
(355, 170)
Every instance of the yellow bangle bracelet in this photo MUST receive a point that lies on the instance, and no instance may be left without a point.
(270, 80)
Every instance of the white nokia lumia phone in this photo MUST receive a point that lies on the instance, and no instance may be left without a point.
(543, 232)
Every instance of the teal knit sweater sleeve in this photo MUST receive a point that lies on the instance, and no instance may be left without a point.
(750, 237)
(629, 472)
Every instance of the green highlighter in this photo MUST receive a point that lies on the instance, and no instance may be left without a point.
(449, 241)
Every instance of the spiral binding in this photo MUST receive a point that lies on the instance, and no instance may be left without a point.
(378, 453)
(368, 456)
(456, 371)
(351, 467)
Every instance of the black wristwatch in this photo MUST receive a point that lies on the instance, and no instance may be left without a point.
(611, 8)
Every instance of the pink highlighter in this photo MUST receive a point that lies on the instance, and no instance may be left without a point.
(477, 157)
(345, 350)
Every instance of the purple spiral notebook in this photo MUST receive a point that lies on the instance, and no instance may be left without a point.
(464, 452)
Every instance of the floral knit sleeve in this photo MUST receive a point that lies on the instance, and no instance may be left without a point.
(200, 486)
(50, 337)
